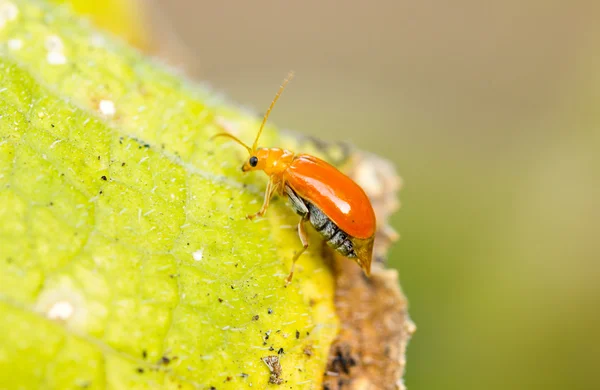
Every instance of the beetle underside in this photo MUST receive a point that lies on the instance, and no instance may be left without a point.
(334, 236)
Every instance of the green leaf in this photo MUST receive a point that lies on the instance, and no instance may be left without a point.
(126, 260)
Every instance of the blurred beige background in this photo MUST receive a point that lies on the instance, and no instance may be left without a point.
(490, 112)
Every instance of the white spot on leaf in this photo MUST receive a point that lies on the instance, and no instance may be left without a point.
(55, 48)
(8, 12)
(62, 310)
(65, 304)
(107, 107)
(198, 255)
(56, 58)
(15, 44)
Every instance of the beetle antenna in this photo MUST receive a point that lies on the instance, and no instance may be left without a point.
(281, 88)
(236, 139)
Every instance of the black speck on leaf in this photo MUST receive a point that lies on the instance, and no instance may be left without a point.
(104, 178)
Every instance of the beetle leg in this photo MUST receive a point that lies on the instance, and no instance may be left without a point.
(304, 239)
(271, 188)
(296, 202)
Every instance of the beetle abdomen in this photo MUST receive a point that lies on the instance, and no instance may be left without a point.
(334, 236)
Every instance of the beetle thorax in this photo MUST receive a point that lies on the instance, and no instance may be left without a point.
(274, 161)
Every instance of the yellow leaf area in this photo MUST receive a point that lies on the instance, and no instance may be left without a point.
(126, 260)
(122, 17)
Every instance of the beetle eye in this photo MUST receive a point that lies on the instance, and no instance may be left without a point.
(253, 161)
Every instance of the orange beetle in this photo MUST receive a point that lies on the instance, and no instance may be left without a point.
(335, 205)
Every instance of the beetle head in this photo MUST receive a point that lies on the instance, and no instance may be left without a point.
(256, 161)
